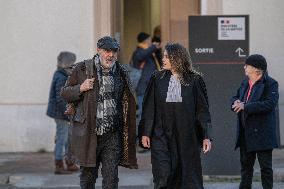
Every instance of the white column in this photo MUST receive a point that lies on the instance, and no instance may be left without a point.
(203, 7)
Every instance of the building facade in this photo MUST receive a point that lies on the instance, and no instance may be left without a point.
(33, 33)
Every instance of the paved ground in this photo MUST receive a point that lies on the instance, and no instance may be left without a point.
(35, 170)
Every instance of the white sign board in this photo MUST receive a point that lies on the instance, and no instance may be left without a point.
(231, 28)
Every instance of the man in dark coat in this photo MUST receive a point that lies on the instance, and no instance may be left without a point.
(255, 104)
(144, 58)
(103, 128)
(56, 108)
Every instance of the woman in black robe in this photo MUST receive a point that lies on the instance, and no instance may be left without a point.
(176, 122)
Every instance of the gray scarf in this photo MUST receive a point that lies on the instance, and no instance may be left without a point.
(107, 105)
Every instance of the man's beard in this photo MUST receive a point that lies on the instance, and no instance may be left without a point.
(108, 63)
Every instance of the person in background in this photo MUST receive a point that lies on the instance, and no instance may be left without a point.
(157, 38)
(255, 104)
(56, 108)
(144, 58)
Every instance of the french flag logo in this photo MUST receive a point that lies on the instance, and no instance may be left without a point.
(225, 21)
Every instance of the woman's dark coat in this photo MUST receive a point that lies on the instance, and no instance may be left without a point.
(83, 138)
(188, 130)
(259, 115)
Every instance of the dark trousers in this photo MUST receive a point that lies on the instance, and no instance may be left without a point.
(108, 154)
(247, 163)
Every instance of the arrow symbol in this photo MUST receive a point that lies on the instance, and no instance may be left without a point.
(239, 51)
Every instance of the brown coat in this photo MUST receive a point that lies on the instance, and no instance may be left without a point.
(83, 140)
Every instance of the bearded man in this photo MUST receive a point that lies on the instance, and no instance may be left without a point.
(103, 123)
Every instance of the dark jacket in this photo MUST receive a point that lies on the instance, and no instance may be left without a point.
(56, 104)
(144, 56)
(176, 129)
(83, 139)
(197, 103)
(259, 117)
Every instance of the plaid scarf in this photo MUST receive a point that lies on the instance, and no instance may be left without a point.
(107, 106)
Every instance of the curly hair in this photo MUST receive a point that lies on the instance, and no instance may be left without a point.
(181, 62)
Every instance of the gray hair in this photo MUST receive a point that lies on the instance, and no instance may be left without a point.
(65, 59)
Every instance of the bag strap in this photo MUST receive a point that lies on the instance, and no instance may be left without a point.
(89, 68)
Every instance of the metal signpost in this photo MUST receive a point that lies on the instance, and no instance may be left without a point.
(219, 46)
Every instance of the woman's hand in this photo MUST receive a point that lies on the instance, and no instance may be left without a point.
(146, 142)
(206, 145)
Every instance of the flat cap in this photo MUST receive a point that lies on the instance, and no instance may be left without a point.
(108, 43)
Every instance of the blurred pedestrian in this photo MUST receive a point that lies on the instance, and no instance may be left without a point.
(144, 59)
(56, 109)
(176, 122)
(103, 126)
(157, 38)
(255, 104)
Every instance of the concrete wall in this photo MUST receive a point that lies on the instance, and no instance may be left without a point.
(174, 19)
(136, 19)
(266, 35)
(211, 7)
(155, 14)
(32, 34)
